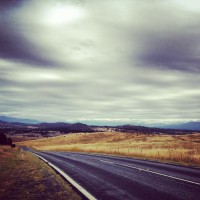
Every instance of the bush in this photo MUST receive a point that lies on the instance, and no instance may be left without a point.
(9, 141)
(4, 140)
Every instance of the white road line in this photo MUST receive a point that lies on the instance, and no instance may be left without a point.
(41, 158)
(149, 171)
(68, 178)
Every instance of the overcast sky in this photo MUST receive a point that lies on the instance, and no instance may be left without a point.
(100, 61)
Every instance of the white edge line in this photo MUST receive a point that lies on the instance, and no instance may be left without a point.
(147, 170)
(68, 178)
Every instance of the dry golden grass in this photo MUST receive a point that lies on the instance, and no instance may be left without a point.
(23, 176)
(174, 148)
(21, 138)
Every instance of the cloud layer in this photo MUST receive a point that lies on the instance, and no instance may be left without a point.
(100, 61)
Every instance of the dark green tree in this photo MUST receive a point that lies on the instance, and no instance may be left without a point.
(3, 139)
(9, 141)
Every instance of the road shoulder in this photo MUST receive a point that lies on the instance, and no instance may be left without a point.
(24, 176)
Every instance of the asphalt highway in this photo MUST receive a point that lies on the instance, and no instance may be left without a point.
(120, 178)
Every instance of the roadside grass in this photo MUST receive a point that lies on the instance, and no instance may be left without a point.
(182, 149)
(25, 177)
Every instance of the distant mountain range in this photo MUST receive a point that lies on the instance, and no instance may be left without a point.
(79, 126)
(15, 125)
(195, 126)
(19, 120)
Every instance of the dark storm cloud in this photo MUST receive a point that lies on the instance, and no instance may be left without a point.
(9, 4)
(13, 44)
(177, 50)
(167, 35)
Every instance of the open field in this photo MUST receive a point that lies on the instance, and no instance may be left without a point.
(21, 138)
(24, 176)
(183, 149)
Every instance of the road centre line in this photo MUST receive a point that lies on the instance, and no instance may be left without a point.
(149, 171)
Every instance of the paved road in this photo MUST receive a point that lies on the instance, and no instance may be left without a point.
(119, 178)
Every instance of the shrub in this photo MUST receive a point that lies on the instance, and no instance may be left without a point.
(3, 139)
(9, 141)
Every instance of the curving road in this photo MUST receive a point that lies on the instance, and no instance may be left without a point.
(119, 178)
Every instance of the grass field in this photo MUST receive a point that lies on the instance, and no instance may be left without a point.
(183, 149)
(21, 138)
(23, 176)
